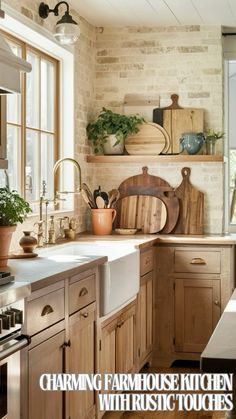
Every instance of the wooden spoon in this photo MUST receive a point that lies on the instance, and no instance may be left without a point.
(114, 195)
(85, 197)
(100, 202)
(89, 194)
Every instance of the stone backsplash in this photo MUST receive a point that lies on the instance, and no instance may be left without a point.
(111, 62)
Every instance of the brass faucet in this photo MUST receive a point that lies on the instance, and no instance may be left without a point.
(55, 168)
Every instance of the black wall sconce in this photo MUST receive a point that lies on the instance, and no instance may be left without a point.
(67, 30)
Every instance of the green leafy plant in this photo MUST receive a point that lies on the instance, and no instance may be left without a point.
(13, 208)
(216, 135)
(108, 123)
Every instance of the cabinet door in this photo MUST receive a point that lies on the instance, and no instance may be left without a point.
(45, 358)
(107, 353)
(197, 311)
(145, 312)
(81, 354)
(125, 341)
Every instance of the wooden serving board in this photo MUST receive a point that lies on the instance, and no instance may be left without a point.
(145, 184)
(178, 121)
(146, 213)
(151, 139)
(191, 216)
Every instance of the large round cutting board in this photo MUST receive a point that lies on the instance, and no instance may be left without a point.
(150, 140)
(146, 213)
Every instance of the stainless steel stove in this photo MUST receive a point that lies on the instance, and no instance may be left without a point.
(6, 277)
(11, 342)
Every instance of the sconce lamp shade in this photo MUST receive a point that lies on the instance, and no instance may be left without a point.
(67, 30)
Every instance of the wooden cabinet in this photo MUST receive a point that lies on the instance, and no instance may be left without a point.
(45, 358)
(197, 311)
(145, 308)
(193, 286)
(117, 350)
(3, 133)
(81, 359)
(61, 319)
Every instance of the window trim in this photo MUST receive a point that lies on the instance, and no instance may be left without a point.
(20, 26)
(25, 47)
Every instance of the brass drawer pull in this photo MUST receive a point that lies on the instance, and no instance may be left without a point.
(85, 315)
(198, 261)
(216, 302)
(47, 310)
(83, 292)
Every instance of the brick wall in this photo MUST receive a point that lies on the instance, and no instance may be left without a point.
(111, 62)
(186, 60)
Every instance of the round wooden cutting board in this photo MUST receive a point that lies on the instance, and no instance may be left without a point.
(150, 140)
(146, 213)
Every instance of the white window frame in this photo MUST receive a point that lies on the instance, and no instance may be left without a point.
(35, 35)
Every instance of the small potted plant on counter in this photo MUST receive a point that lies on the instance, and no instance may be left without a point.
(211, 137)
(109, 130)
(13, 210)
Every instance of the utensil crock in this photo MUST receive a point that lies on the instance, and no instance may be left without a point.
(102, 220)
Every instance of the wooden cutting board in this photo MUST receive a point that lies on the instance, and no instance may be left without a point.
(151, 139)
(178, 121)
(145, 184)
(191, 216)
(144, 212)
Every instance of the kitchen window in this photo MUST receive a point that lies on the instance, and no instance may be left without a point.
(32, 123)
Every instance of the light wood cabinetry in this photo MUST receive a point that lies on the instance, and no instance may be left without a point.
(197, 311)
(117, 344)
(3, 133)
(145, 308)
(61, 319)
(117, 349)
(81, 349)
(45, 358)
(81, 354)
(193, 286)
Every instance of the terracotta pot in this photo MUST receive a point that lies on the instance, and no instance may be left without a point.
(28, 242)
(102, 220)
(5, 241)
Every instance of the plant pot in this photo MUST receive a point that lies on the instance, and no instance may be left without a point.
(110, 148)
(5, 241)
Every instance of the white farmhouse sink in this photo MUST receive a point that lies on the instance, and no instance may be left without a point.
(119, 277)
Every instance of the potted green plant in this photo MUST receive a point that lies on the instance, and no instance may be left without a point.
(13, 210)
(109, 130)
(211, 137)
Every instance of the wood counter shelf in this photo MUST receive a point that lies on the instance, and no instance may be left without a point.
(155, 159)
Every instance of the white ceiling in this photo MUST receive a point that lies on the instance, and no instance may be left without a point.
(157, 12)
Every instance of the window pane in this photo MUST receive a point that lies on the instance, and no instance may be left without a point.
(32, 169)
(14, 101)
(32, 92)
(13, 156)
(14, 160)
(47, 95)
(47, 162)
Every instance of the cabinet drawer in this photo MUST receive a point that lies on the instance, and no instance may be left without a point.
(45, 311)
(81, 293)
(198, 261)
(146, 262)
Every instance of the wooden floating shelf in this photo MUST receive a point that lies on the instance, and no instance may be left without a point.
(155, 159)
